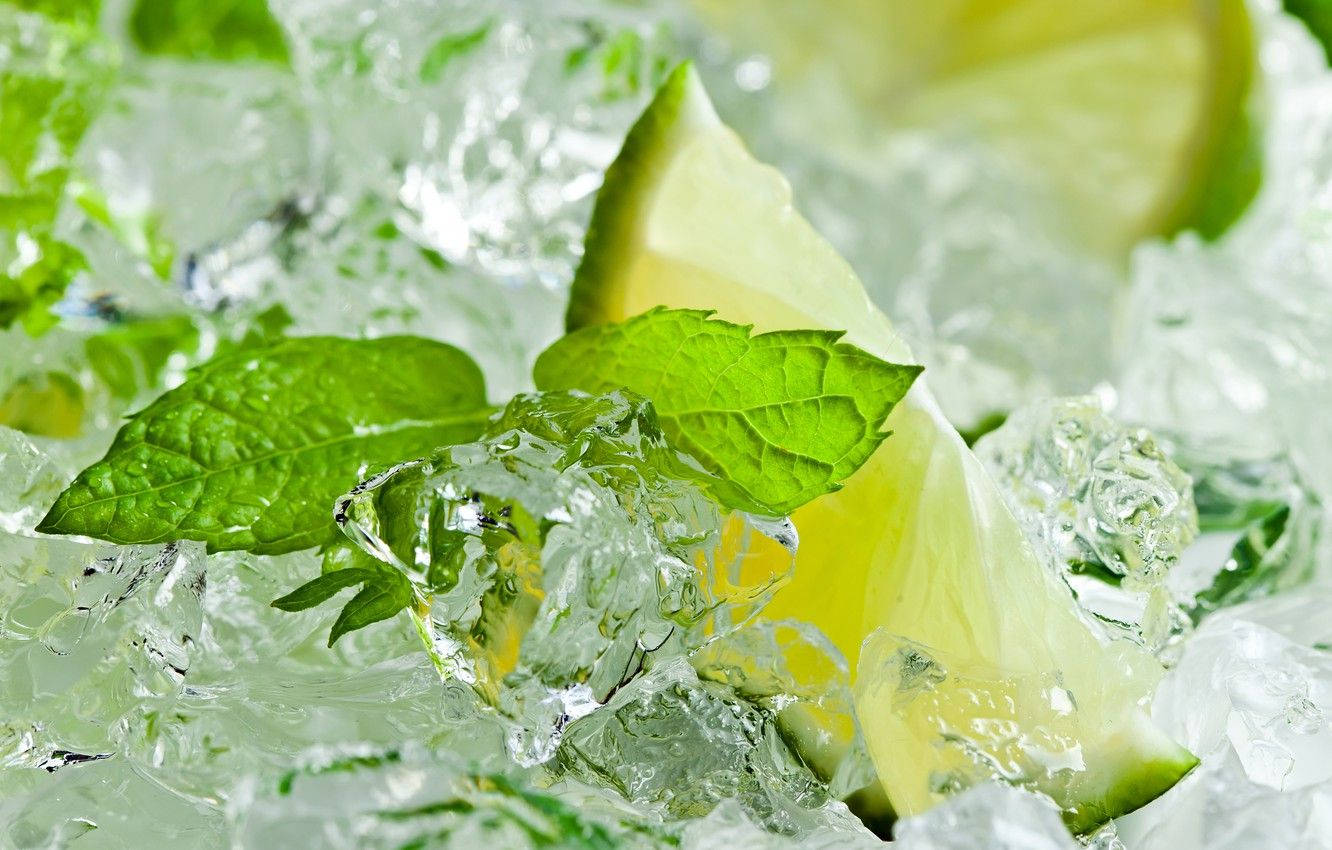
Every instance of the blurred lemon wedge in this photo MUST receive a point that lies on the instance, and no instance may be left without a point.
(1130, 112)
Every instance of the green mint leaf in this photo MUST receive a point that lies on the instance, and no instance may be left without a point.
(381, 598)
(253, 449)
(778, 418)
(448, 48)
(228, 30)
(383, 594)
(320, 590)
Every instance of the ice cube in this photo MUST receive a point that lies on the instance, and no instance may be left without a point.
(990, 815)
(728, 827)
(31, 481)
(791, 669)
(1242, 686)
(1251, 695)
(676, 745)
(1104, 504)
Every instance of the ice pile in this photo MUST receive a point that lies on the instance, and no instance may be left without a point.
(560, 556)
(999, 817)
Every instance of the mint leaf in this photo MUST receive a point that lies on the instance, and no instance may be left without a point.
(381, 598)
(779, 418)
(253, 449)
(320, 590)
(384, 593)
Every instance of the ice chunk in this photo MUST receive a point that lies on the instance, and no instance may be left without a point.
(202, 148)
(990, 815)
(792, 670)
(1103, 503)
(31, 481)
(560, 552)
(1263, 527)
(1242, 686)
(728, 827)
(1252, 695)
(676, 745)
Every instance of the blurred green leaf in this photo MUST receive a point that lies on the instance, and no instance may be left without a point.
(1317, 16)
(227, 30)
(449, 48)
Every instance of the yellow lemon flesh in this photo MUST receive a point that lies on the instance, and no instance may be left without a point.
(977, 663)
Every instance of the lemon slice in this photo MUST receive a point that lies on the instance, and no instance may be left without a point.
(1129, 110)
(917, 552)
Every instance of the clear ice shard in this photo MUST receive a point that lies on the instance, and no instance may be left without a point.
(1252, 695)
(792, 670)
(676, 745)
(32, 479)
(728, 827)
(989, 815)
(1103, 503)
(560, 554)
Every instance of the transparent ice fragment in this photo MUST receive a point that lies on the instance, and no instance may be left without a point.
(1104, 504)
(728, 827)
(1250, 694)
(1243, 687)
(202, 149)
(790, 669)
(677, 745)
(559, 553)
(990, 815)
(1263, 529)
(31, 481)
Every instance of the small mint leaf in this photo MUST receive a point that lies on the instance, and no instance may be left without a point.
(777, 418)
(383, 596)
(252, 450)
(320, 590)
